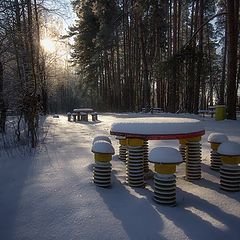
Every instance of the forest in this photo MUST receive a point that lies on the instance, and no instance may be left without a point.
(177, 55)
(117, 55)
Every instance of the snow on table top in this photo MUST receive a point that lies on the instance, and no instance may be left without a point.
(102, 146)
(83, 110)
(155, 126)
(229, 148)
(217, 138)
(165, 155)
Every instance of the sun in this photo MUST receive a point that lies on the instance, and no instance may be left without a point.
(48, 45)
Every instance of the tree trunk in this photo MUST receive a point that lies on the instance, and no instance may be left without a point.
(3, 109)
(232, 33)
(200, 59)
(222, 83)
(146, 84)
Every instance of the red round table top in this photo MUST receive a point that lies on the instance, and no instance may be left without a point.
(158, 128)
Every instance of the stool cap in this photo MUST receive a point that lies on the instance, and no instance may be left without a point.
(120, 137)
(217, 138)
(101, 137)
(102, 146)
(229, 149)
(165, 155)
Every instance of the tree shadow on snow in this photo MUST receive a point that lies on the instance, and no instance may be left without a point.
(213, 185)
(138, 218)
(13, 175)
(86, 122)
(189, 215)
(206, 168)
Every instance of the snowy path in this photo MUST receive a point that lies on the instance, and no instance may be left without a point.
(50, 195)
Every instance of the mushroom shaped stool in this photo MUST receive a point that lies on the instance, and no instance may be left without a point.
(103, 152)
(122, 148)
(69, 116)
(102, 138)
(215, 139)
(230, 169)
(74, 117)
(165, 160)
(94, 116)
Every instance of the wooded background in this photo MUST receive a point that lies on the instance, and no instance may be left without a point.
(178, 55)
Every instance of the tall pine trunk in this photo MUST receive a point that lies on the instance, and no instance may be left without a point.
(233, 28)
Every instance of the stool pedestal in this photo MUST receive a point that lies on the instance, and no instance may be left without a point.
(230, 174)
(183, 149)
(145, 156)
(102, 169)
(134, 166)
(102, 174)
(165, 189)
(193, 160)
(216, 162)
(215, 157)
(123, 150)
(215, 139)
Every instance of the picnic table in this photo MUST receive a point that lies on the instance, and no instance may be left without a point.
(153, 110)
(82, 113)
(137, 130)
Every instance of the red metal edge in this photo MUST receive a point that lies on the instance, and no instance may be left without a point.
(160, 136)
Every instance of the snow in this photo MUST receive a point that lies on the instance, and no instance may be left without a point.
(120, 137)
(165, 155)
(83, 110)
(49, 194)
(151, 126)
(229, 148)
(102, 146)
(102, 137)
(217, 138)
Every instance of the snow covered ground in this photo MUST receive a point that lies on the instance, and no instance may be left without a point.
(49, 194)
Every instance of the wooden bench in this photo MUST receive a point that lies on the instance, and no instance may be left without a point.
(69, 115)
(94, 116)
(74, 117)
(82, 111)
(157, 110)
(211, 110)
(153, 110)
(204, 112)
